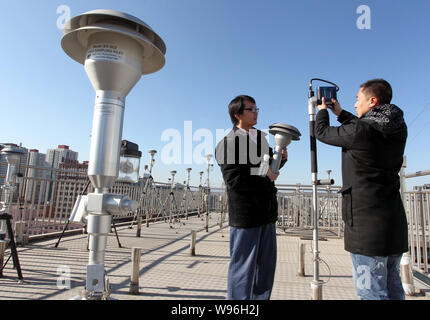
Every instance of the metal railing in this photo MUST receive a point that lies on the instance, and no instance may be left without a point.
(295, 209)
(416, 203)
(43, 202)
(45, 198)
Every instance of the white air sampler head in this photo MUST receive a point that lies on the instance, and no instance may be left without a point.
(12, 154)
(116, 49)
(284, 133)
(13, 157)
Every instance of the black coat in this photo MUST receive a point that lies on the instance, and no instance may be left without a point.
(251, 198)
(372, 155)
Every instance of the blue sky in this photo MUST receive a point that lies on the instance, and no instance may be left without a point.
(215, 51)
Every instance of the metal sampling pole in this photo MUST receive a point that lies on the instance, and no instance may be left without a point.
(208, 158)
(172, 198)
(187, 188)
(316, 284)
(200, 195)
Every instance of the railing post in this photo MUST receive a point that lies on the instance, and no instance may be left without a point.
(150, 208)
(423, 229)
(221, 200)
(207, 213)
(139, 226)
(135, 258)
(339, 217)
(403, 181)
(301, 270)
(19, 232)
(193, 243)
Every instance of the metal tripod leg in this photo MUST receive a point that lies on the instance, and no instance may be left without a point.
(68, 221)
(116, 233)
(171, 219)
(135, 216)
(14, 252)
(62, 233)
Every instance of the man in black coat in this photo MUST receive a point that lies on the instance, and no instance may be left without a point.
(252, 203)
(372, 144)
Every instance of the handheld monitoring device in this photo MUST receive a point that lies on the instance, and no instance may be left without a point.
(327, 92)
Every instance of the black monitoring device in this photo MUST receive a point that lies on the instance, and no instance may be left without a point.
(328, 93)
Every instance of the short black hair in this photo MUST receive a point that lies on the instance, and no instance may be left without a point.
(379, 88)
(236, 106)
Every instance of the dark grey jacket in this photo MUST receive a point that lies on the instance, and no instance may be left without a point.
(251, 198)
(372, 155)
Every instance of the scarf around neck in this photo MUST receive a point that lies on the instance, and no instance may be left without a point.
(388, 116)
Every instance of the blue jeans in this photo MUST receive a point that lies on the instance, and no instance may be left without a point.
(251, 272)
(377, 278)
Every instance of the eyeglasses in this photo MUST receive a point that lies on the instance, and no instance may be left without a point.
(252, 109)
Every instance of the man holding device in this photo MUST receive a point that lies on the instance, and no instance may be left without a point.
(372, 154)
(252, 204)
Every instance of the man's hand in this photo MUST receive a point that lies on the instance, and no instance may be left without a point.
(335, 108)
(284, 154)
(271, 175)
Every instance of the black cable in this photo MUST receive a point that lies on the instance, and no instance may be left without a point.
(318, 79)
(86, 187)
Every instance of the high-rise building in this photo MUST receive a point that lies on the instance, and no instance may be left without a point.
(35, 186)
(60, 155)
(56, 156)
(72, 180)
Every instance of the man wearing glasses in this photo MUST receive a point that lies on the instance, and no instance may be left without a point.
(253, 207)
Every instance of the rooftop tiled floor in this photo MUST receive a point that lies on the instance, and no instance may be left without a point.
(167, 269)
